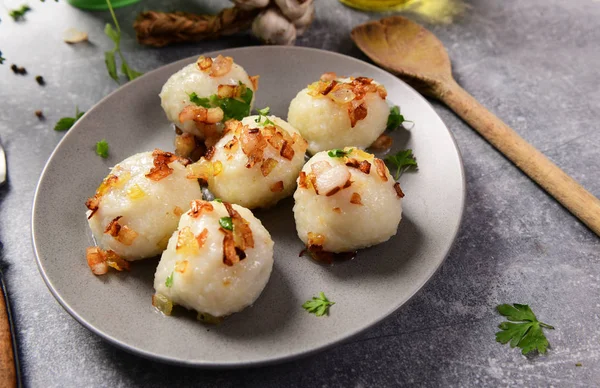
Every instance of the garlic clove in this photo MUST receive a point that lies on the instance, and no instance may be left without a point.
(273, 28)
(293, 9)
(251, 4)
(305, 20)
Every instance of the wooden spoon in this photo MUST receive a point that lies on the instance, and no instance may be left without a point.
(418, 57)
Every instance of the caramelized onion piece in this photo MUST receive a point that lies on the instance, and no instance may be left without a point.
(204, 63)
(332, 180)
(382, 143)
(287, 151)
(277, 187)
(161, 167)
(221, 66)
(201, 238)
(96, 259)
(253, 145)
(210, 152)
(126, 235)
(162, 304)
(302, 180)
(115, 261)
(225, 91)
(185, 144)
(241, 229)
(356, 199)
(186, 242)
(329, 76)
(337, 210)
(381, 169)
(254, 79)
(113, 227)
(382, 91)
(267, 166)
(398, 190)
(197, 207)
(200, 170)
(357, 114)
(93, 203)
(230, 256)
(326, 88)
(181, 266)
(342, 95)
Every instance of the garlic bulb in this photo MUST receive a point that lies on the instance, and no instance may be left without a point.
(305, 20)
(293, 9)
(251, 4)
(273, 28)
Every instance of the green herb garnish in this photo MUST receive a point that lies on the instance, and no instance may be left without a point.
(109, 56)
(218, 200)
(263, 113)
(2, 59)
(403, 160)
(19, 13)
(318, 305)
(169, 281)
(233, 108)
(338, 153)
(226, 223)
(102, 148)
(395, 119)
(524, 330)
(67, 122)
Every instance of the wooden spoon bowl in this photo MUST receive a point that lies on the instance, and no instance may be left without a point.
(418, 57)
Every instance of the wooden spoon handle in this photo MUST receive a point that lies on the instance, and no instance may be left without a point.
(532, 162)
(8, 373)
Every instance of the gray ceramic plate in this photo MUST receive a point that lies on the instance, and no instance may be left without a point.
(367, 289)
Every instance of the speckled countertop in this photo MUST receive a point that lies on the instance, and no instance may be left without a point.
(534, 63)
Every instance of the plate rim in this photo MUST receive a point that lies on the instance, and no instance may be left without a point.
(271, 360)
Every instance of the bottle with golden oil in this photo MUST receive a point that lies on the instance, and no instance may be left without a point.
(377, 5)
(432, 11)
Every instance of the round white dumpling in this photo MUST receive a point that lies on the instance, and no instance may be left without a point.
(256, 164)
(138, 205)
(217, 262)
(346, 202)
(218, 72)
(336, 113)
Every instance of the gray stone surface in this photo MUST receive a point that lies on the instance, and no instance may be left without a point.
(534, 63)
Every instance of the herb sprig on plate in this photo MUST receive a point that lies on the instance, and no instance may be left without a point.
(110, 56)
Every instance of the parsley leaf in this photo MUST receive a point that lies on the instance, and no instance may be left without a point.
(395, 119)
(233, 108)
(2, 59)
(338, 153)
(203, 102)
(527, 333)
(110, 56)
(102, 148)
(169, 281)
(318, 305)
(19, 13)
(66, 123)
(226, 223)
(218, 200)
(403, 160)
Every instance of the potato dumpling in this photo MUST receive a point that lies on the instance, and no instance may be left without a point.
(335, 112)
(137, 207)
(217, 262)
(256, 162)
(185, 95)
(346, 200)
